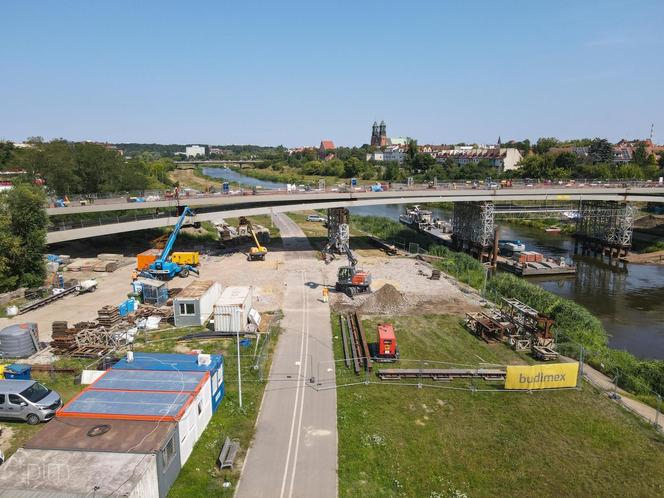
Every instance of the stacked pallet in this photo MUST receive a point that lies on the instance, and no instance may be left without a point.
(63, 336)
(108, 316)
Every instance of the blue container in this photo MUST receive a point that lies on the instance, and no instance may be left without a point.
(123, 308)
(18, 371)
(245, 343)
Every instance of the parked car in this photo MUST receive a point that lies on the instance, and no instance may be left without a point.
(28, 400)
(316, 218)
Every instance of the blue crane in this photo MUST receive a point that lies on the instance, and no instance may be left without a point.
(165, 269)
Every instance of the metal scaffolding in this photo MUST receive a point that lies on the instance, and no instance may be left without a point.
(473, 226)
(604, 228)
(338, 229)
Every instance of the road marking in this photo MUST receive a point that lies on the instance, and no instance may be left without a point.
(297, 397)
(304, 388)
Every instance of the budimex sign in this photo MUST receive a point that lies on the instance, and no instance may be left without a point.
(542, 376)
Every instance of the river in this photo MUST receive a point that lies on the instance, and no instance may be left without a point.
(629, 300)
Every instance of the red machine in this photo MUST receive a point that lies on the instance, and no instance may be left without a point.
(387, 343)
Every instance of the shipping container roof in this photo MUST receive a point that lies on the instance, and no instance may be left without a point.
(128, 405)
(168, 361)
(195, 289)
(233, 296)
(95, 434)
(56, 473)
(150, 380)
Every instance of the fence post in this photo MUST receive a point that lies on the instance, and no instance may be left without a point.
(657, 410)
(581, 362)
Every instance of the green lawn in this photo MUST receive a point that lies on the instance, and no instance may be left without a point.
(402, 440)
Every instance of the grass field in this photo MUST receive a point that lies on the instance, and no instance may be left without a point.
(398, 440)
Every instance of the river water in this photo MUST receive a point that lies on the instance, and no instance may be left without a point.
(629, 300)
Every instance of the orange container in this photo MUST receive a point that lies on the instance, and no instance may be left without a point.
(146, 258)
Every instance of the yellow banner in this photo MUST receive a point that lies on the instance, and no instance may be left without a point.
(542, 376)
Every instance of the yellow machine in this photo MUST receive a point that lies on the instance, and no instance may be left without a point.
(186, 258)
(258, 252)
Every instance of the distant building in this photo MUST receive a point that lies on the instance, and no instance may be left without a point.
(326, 150)
(379, 134)
(216, 151)
(430, 149)
(379, 138)
(394, 153)
(503, 159)
(195, 151)
(375, 156)
(390, 153)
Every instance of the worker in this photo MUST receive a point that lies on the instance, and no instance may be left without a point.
(326, 293)
(134, 276)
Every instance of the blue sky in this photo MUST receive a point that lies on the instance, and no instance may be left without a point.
(294, 72)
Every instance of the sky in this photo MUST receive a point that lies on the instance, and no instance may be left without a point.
(294, 72)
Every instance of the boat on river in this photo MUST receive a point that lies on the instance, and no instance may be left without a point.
(511, 246)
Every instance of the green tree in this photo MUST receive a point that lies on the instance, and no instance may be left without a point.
(24, 223)
(544, 144)
(566, 161)
(640, 155)
(6, 154)
(601, 151)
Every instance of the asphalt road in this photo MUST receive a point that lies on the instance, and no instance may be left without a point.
(294, 453)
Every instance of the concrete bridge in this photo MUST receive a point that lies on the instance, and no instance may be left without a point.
(279, 201)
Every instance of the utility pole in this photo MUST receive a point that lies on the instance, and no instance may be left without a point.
(239, 370)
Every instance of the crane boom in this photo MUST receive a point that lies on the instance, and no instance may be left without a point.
(174, 235)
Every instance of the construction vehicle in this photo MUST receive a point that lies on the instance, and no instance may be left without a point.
(257, 252)
(84, 286)
(163, 268)
(350, 280)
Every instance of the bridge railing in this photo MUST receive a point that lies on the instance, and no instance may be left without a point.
(145, 197)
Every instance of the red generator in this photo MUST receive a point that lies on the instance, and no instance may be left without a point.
(387, 343)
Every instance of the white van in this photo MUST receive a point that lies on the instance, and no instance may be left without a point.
(27, 400)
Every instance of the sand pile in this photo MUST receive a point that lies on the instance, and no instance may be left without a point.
(386, 300)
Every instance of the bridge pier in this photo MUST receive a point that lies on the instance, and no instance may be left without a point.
(473, 229)
(338, 222)
(604, 228)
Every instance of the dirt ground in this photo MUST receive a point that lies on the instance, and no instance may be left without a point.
(411, 278)
(408, 276)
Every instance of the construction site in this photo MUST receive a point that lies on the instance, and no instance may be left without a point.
(381, 321)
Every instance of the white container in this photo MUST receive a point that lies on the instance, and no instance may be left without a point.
(231, 311)
(194, 305)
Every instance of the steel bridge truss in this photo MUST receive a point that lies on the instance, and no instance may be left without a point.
(338, 230)
(603, 227)
(473, 225)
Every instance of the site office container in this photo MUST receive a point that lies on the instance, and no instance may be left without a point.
(194, 305)
(158, 396)
(213, 364)
(92, 435)
(146, 258)
(231, 311)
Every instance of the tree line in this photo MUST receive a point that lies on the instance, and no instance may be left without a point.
(69, 168)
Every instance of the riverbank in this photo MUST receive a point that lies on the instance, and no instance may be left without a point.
(580, 334)
(546, 224)
(649, 257)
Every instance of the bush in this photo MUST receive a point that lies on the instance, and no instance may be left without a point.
(575, 326)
